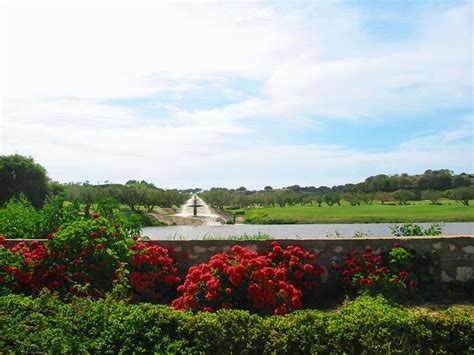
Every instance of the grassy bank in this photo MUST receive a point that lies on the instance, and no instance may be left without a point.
(375, 213)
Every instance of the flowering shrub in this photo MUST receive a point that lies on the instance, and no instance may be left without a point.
(92, 252)
(21, 267)
(154, 272)
(87, 251)
(267, 283)
(387, 274)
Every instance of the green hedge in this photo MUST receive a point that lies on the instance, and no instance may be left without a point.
(365, 325)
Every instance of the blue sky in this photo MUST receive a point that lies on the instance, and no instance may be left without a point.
(231, 94)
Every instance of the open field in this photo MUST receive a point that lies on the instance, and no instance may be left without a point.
(375, 213)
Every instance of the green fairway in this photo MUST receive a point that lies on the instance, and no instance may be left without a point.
(375, 213)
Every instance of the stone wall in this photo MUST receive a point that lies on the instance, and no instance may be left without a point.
(456, 252)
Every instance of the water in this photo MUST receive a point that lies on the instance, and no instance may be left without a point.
(290, 231)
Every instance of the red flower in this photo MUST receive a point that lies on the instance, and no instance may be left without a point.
(412, 284)
(99, 247)
(396, 245)
(95, 216)
(95, 235)
(61, 267)
(50, 236)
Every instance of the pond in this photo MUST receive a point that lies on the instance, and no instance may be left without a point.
(290, 231)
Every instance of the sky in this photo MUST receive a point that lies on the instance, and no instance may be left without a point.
(229, 94)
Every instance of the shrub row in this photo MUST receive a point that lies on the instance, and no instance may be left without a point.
(365, 325)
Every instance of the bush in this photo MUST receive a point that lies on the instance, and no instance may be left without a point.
(90, 256)
(272, 282)
(415, 230)
(386, 274)
(19, 219)
(365, 325)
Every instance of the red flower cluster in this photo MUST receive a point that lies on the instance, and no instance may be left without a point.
(26, 274)
(87, 251)
(266, 283)
(155, 271)
(373, 273)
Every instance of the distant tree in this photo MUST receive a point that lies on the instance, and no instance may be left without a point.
(461, 194)
(268, 188)
(403, 196)
(332, 198)
(439, 180)
(384, 197)
(461, 181)
(319, 200)
(280, 198)
(242, 189)
(19, 174)
(294, 188)
(152, 198)
(353, 198)
(431, 195)
(307, 200)
(88, 195)
(130, 195)
(56, 188)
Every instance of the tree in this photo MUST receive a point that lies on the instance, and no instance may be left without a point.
(319, 200)
(461, 181)
(19, 174)
(402, 196)
(353, 198)
(332, 198)
(438, 180)
(461, 194)
(431, 195)
(384, 197)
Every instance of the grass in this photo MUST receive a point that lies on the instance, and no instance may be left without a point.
(419, 211)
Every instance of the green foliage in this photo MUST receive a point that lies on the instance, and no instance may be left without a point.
(365, 325)
(56, 212)
(107, 206)
(461, 194)
(8, 259)
(19, 219)
(21, 175)
(415, 230)
(91, 251)
(402, 196)
(431, 195)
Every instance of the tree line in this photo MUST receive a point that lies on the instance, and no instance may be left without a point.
(22, 175)
(432, 185)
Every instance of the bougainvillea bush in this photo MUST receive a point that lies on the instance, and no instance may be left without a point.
(389, 274)
(86, 256)
(154, 275)
(270, 283)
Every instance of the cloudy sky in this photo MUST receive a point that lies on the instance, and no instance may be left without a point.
(230, 94)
